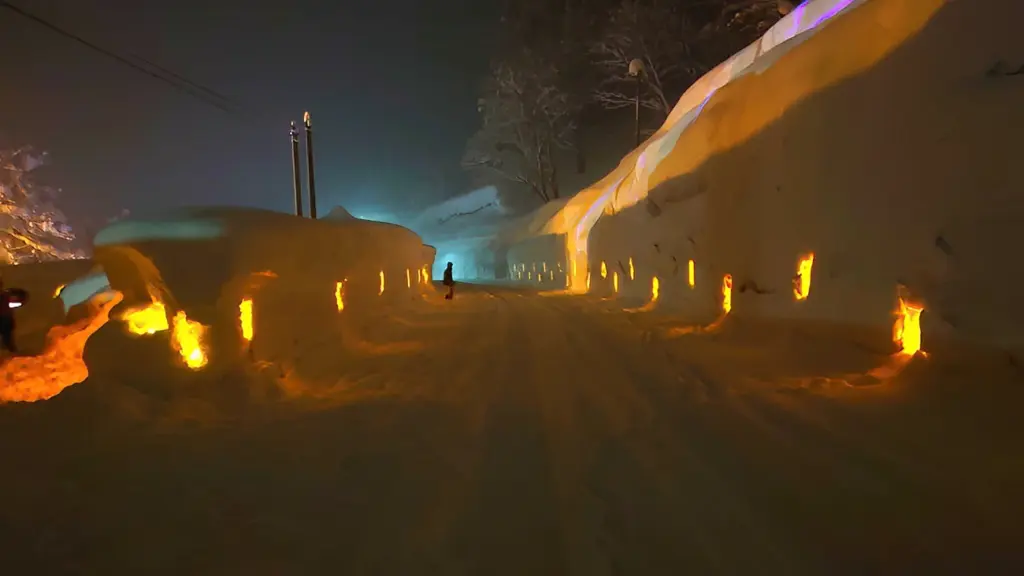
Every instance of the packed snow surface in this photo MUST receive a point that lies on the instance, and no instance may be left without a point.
(510, 432)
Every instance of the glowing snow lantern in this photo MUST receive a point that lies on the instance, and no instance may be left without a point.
(339, 295)
(148, 319)
(802, 280)
(573, 267)
(588, 281)
(727, 293)
(544, 266)
(408, 279)
(57, 292)
(906, 332)
(426, 275)
(632, 272)
(552, 274)
(381, 283)
(689, 273)
(615, 282)
(604, 270)
(529, 275)
(187, 339)
(655, 289)
(245, 318)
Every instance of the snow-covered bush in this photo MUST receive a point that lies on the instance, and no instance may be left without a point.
(32, 229)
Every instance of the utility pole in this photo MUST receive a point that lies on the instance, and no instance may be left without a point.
(296, 170)
(309, 165)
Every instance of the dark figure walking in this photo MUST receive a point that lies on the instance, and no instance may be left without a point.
(10, 299)
(449, 282)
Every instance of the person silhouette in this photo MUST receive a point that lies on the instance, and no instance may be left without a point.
(10, 300)
(449, 282)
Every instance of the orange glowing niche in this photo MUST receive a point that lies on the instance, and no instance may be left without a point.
(245, 319)
(187, 338)
(339, 295)
(802, 280)
(632, 271)
(147, 319)
(655, 289)
(408, 279)
(906, 332)
(615, 282)
(604, 270)
(727, 293)
(690, 273)
(381, 292)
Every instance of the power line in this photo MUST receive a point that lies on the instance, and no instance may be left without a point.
(174, 80)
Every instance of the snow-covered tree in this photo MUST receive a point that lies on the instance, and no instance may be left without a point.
(525, 119)
(31, 227)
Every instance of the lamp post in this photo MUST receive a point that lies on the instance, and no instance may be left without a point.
(309, 165)
(636, 71)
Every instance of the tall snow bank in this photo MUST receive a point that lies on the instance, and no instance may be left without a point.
(885, 145)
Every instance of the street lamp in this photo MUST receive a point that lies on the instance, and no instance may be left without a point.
(636, 71)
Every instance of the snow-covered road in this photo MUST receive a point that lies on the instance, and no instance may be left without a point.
(512, 433)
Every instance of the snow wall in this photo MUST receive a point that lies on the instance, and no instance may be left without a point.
(881, 142)
(206, 261)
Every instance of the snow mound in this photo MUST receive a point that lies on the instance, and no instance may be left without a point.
(338, 213)
(214, 291)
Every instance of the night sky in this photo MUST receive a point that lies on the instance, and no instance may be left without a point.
(389, 83)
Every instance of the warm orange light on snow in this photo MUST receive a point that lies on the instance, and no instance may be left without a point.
(655, 289)
(147, 319)
(604, 270)
(588, 281)
(906, 332)
(339, 295)
(615, 282)
(408, 279)
(187, 339)
(690, 274)
(574, 268)
(245, 318)
(426, 275)
(727, 293)
(56, 293)
(381, 283)
(632, 272)
(32, 378)
(802, 280)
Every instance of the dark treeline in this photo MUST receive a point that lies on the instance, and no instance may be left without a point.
(560, 65)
